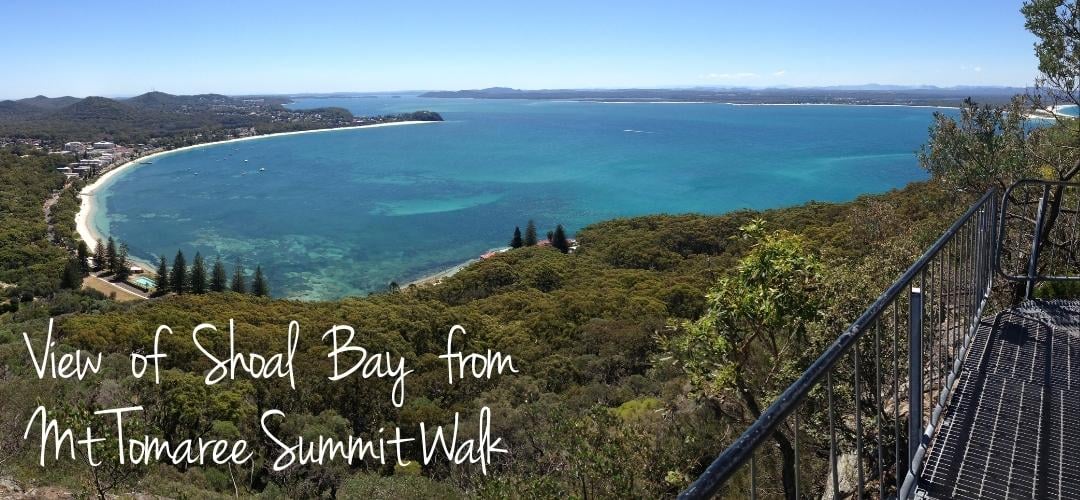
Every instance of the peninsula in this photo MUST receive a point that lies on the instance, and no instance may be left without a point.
(873, 95)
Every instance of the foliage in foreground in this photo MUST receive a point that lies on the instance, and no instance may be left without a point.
(594, 411)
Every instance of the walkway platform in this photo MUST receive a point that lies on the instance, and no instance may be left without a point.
(1012, 428)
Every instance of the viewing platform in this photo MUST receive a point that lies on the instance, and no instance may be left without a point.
(961, 381)
(1012, 429)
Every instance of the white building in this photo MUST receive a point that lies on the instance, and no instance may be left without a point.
(75, 147)
(104, 145)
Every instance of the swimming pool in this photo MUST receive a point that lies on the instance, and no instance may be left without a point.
(144, 282)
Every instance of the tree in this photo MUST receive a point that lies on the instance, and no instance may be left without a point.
(516, 242)
(110, 256)
(72, 275)
(987, 147)
(530, 234)
(178, 279)
(198, 275)
(83, 254)
(219, 281)
(753, 337)
(314, 480)
(1054, 23)
(559, 240)
(107, 474)
(101, 259)
(162, 276)
(123, 265)
(238, 285)
(259, 286)
(996, 146)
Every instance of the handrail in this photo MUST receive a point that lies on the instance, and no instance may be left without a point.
(742, 449)
(1045, 202)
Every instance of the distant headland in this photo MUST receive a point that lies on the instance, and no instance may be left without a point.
(872, 94)
(161, 120)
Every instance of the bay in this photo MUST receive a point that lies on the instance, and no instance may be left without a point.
(346, 212)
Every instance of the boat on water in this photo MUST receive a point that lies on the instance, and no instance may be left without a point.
(262, 169)
(146, 163)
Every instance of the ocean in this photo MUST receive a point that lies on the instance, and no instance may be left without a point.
(346, 212)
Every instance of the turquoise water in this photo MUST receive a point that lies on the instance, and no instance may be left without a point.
(346, 212)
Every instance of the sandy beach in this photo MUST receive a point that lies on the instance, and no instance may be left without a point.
(436, 278)
(86, 208)
(1051, 113)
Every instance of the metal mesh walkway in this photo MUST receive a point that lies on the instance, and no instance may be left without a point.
(1012, 428)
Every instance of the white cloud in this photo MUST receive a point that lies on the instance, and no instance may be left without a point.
(779, 73)
(977, 69)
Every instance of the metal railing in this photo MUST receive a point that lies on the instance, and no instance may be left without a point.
(874, 397)
(1039, 233)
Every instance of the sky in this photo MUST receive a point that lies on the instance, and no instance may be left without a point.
(123, 48)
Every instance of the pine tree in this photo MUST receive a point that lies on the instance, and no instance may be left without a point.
(123, 266)
(259, 287)
(72, 275)
(559, 240)
(551, 236)
(83, 253)
(530, 234)
(162, 276)
(110, 256)
(238, 285)
(219, 281)
(198, 275)
(101, 260)
(178, 279)
(516, 242)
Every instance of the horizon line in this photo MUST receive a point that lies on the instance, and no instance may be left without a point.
(849, 87)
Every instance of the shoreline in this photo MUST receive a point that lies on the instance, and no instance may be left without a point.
(1051, 113)
(437, 277)
(840, 104)
(768, 103)
(88, 233)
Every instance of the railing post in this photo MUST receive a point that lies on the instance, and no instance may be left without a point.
(915, 368)
(1033, 260)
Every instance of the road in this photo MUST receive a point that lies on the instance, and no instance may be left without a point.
(124, 292)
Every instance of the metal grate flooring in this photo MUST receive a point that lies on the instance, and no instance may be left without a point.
(1012, 428)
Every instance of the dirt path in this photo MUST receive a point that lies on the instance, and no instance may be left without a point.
(47, 208)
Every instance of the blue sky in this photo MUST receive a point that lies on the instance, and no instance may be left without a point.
(128, 47)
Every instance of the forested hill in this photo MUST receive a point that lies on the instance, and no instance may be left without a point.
(154, 115)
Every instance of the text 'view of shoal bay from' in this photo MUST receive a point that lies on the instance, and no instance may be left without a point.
(347, 212)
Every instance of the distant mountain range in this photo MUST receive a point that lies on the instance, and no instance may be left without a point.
(858, 94)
